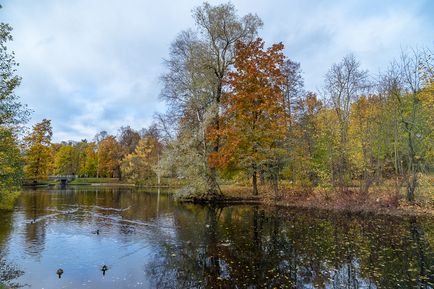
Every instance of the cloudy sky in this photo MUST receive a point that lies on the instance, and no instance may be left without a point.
(92, 65)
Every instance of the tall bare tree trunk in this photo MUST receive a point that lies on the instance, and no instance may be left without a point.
(412, 170)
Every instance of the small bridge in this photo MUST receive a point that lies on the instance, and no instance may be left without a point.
(62, 179)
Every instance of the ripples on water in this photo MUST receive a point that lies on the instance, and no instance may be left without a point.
(148, 241)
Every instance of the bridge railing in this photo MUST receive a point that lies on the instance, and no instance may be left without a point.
(62, 177)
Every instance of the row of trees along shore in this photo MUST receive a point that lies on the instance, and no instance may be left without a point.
(238, 113)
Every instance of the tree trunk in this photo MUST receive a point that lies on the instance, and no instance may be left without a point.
(262, 178)
(412, 165)
(214, 190)
(276, 184)
(255, 183)
(411, 186)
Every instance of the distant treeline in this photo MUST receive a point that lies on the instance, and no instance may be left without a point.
(131, 155)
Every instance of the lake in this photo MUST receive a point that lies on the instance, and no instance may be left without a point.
(147, 240)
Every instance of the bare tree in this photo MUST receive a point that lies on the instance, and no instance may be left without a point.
(193, 86)
(344, 82)
(410, 106)
(407, 86)
(128, 139)
(294, 87)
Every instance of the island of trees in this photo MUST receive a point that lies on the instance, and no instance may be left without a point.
(241, 123)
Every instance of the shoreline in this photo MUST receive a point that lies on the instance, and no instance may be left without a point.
(400, 212)
(409, 211)
(288, 199)
(351, 201)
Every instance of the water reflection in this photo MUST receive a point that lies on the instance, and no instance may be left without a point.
(148, 241)
(254, 248)
(9, 271)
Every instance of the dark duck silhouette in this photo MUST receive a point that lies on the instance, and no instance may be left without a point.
(103, 269)
(59, 272)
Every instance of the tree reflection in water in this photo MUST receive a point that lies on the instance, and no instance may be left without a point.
(8, 270)
(250, 247)
(149, 241)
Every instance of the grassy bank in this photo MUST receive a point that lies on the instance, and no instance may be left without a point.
(89, 181)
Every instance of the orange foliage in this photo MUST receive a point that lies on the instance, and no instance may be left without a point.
(109, 157)
(253, 119)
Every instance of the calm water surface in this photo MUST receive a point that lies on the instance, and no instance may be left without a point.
(149, 241)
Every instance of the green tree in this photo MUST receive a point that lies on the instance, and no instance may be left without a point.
(11, 172)
(408, 89)
(12, 114)
(415, 115)
(306, 156)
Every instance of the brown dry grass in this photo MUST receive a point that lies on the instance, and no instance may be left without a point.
(378, 200)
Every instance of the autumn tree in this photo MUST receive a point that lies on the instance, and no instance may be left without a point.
(128, 140)
(253, 124)
(367, 140)
(65, 162)
(79, 156)
(141, 164)
(91, 161)
(199, 61)
(109, 157)
(98, 138)
(38, 151)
